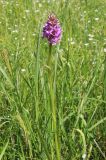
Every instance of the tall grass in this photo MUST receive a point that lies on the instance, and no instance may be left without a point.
(52, 108)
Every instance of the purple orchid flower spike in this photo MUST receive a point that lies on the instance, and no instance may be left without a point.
(52, 30)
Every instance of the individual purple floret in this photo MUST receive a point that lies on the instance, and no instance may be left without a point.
(52, 30)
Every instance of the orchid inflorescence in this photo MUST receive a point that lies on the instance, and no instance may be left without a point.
(52, 30)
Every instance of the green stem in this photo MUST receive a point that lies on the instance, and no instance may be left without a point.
(105, 79)
(53, 105)
(49, 56)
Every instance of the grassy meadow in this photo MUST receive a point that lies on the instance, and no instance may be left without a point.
(55, 110)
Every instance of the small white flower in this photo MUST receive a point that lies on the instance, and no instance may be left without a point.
(71, 39)
(40, 5)
(91, 35)
(17, 4)
(23, 70)
(9, 28)
(27, 11)
(86, 44)
(96, 19)
(72, 42)
(89, 21)
(7, 3)
(84, 156)
(16, 25)
(90, 38)
(33, 34)
(2, 1)
(15, 31)
(105, 50)
(23, 38)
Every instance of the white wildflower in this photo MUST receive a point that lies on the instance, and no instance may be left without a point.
(84, 156)
(16, 25)
(15, 31)
(23, 38)
(23, 70)
(40, 5)
(68, 39)
(86, 44)
(17, 4)
(91, 35)
(33, 34)
(27, 11)
(96, 19)
(105, 50)
(72, 42)
(89, 21)
(90, 38)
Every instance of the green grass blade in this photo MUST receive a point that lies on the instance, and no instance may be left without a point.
(3, 150)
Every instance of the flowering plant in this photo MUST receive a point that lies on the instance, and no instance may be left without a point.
(52, 30)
